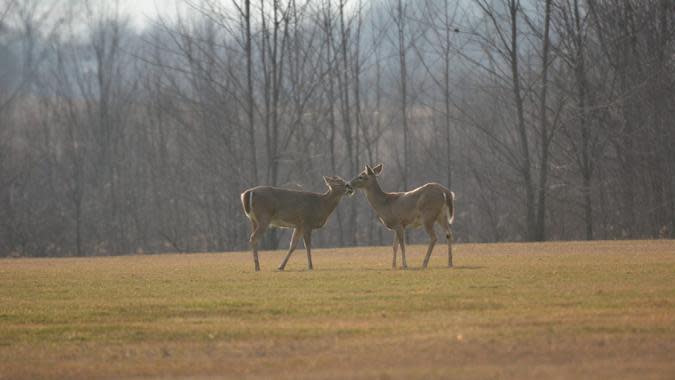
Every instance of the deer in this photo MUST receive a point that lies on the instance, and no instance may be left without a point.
(303, 211)
(422, 207)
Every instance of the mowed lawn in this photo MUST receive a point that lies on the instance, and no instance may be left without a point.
(525, 311)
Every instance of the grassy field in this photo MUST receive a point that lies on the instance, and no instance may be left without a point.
(553, 310)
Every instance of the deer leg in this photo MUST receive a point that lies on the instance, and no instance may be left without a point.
(443, 221)
(429, 228)
(449, 236)
(395, 248)
(258, 230)
(400, 234)
(294, 243)
(307, 237)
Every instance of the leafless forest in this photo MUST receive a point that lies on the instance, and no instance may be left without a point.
(549, 119)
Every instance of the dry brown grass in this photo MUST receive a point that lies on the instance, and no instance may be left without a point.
(552, 310)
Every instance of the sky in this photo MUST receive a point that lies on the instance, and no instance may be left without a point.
(144, 11)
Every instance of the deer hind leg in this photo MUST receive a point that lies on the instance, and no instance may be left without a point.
(443, 221)
(307, 237)
(294, 243)
(429, 228)
(259, 229)
(395, 248)
(400, 235)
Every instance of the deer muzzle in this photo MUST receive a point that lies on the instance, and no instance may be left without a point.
(350, 190)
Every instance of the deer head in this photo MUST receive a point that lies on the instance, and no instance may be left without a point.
(338, 185)
(366, 177)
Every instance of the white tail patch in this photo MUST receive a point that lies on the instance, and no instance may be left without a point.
(450, 214)
(248, 208)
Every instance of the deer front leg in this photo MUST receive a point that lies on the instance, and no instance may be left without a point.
(400, 234)
(395, 248)
(308, 246)
(294, 243)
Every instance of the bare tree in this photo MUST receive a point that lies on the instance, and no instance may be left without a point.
(547, 119)
(400, 17)
(442, 30)
(506, 47)
(545, 133)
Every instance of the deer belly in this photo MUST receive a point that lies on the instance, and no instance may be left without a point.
(388, 225)
(278, 223)
(415, 222)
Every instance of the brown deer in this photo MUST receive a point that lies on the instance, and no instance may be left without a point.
(301, 210)
(424, 206)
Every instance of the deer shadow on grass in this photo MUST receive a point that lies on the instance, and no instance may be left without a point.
(385, 270)
(468, 267)
(456, 267)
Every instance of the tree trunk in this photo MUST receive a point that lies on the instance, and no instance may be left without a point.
(526, 164)
(249, 92)
(346, 119)
(586, 154)
(404, 90)
(540, 232)
(446, 96)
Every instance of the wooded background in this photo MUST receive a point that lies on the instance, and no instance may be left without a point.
(549, 119)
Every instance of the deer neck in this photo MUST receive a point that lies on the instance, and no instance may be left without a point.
(376, 197)
(329, 201)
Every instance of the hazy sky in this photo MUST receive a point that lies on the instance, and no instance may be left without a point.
(141, 11)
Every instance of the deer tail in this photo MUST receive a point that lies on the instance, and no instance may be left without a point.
(247, 202)
(450, 203)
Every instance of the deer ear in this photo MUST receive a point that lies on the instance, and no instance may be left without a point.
(377, 169)
(326, 180)
(369, 171)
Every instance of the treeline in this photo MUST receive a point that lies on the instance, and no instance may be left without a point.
(549, 119)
